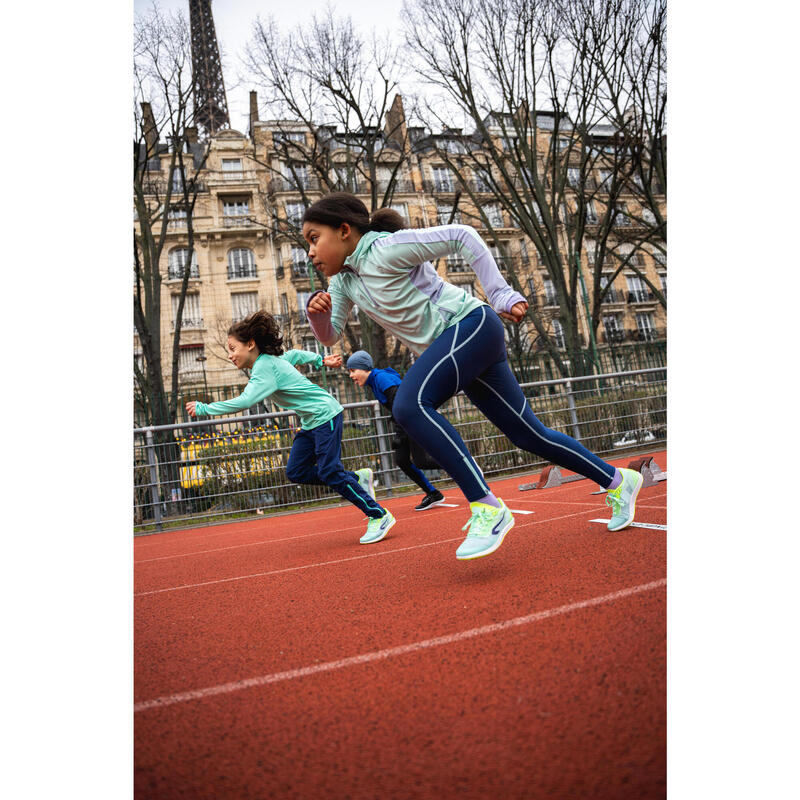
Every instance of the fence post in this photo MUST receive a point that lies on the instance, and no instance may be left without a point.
(576, 431)
(386, 466)
(155, 487)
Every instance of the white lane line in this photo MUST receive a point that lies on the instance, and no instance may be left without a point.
(650, 525)
(520, 511)
(358, 527)
(341, 560)
(449, 505)
(294, 569)
(391, 652)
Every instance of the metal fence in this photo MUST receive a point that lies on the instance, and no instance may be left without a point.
(219, 469)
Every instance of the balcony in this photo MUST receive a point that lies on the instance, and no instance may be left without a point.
(641, 296)
(232, 176)
(401, 186)
(456, 265)
(643, 335)
(239, 273)
(613, 296)
(276, 185)
(438, 187)
(614, 335)
(176, 273)
(190, 322)
(238, 221)
(660, 258)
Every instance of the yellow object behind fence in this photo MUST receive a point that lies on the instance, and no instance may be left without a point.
(261, 454)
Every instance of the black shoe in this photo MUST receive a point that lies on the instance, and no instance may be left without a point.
(430, 500)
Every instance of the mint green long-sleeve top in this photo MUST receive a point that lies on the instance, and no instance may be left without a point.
(276, 377)
(389, 276)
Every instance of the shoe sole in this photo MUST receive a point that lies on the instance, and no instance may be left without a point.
(633, 505)
(432, 505)
(489, 551)
(383, 536)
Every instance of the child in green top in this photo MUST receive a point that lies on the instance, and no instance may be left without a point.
(255, 343)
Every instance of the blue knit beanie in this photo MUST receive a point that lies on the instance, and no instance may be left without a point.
(361, 359)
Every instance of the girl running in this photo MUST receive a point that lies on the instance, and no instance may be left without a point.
(255, 343)
(460, 343)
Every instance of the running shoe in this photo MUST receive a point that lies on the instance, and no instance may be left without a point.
(430, 500)
(487, 529)
(365, 481)
(622, 500)
(378, 528)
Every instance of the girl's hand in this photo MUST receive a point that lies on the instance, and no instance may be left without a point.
(516, 313)
(190, 408)
(332, 361)
(320, 303)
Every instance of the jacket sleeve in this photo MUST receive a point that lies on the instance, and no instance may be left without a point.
(261, 385)
(298, 357)
(390, 392)
(408, 248)
(328, 327)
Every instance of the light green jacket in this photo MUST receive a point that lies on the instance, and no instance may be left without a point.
(276, 377)
(389, 277)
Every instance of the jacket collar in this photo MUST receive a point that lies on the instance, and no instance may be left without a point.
(364, 243)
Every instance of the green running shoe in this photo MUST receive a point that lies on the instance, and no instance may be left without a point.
(378, 528)
(622, 500)
(487, 529)
(365, 481)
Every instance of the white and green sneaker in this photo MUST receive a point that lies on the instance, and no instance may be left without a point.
(622, 500)
(378, 528)
(365, 481)
(487, 529)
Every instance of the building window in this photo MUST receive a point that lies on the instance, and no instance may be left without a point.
(591, 251)
(648, 216)
(451, 146)
(241, 263)
(442, 179)
(612, 324)
(558, 333)
(176, 218)
(402, 210)
(482, 180)
(192, 317)
(235, 213)
(574, 177)
(243, 304)
(563, 143)
(493, 214)
(605, 179)
(443, 211)
(455, 263)
(188, 365)
(280, 137)
(294, 213)
(302, 302)
(177, 181)
(232, 168)
(645, 327)
(621, 214)
(177, 263)
(637, 289)
(469, 288)
(498, 255)
(591, 214)
(299, 259)
(531, 287)
(284, 305)
(297, 174)
(663, 279)
(550, 297)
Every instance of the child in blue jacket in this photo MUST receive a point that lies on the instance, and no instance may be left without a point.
(384, 384)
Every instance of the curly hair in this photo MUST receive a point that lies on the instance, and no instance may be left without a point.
(263, 329)
(336, 208)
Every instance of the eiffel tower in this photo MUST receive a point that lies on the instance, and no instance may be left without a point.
(210, 105)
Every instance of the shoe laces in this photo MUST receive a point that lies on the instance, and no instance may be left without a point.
(614, 501)
(480, 523)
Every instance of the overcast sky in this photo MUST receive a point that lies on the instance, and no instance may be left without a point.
(234, 19)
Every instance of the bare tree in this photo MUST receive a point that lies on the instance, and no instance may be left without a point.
(165, 192)
(529, 78)
(347, 130)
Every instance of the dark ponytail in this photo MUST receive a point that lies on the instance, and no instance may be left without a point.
(337, 208)
(262, 329)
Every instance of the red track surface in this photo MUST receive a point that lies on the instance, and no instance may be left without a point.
(567, 702)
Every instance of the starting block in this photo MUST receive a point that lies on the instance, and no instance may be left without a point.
(651, 472)
(550, 477)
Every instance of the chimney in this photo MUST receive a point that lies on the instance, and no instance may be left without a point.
(149, 130)
(253, 111)
(395, 127)
(191, 134)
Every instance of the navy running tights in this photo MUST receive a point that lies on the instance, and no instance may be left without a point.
(471, 356)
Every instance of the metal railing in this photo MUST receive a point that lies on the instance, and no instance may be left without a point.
(217, 469)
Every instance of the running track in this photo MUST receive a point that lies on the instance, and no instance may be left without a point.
(278, 658)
